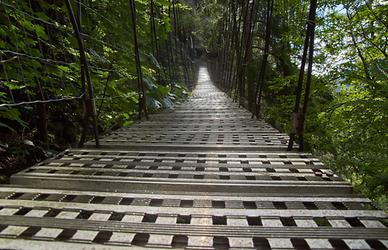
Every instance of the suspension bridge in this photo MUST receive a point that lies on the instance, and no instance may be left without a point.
(202, 176)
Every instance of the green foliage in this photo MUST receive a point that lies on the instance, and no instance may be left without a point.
(356, 138)
(348, 111)
(40, 59)
(164, 96)
(11, 114)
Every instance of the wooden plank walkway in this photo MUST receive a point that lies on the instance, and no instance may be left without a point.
(203, 176)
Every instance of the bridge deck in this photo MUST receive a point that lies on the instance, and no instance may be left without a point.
(203, 176)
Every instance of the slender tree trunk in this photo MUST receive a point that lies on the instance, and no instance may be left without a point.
(227, 49)
(307, 90)
(232, 46)
(170, 49)
(260, 84)
(359, 52)
(238, 53)
(154, 36)
(42, 118)
(86, 80)
(248, 47)
(140, 83)
(297, 117)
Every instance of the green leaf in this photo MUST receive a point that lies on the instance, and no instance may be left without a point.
(154, 61)
(149, 84)
(6, 126)
(28, 143)
(40, 32)
(13, 85)
(167, 103)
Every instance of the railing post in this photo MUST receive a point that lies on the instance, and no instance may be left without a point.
(298, 124)
(88, 100)
(140, 83)
(260, 84)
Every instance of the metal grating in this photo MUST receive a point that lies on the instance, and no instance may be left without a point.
(243, 221)
(220, 171)
(204, 176)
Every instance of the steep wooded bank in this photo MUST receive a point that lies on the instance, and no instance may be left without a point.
(255, 54)
(130, 57)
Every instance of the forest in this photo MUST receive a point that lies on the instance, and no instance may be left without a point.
(134, 57)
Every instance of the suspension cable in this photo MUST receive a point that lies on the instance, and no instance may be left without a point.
(66, 98)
